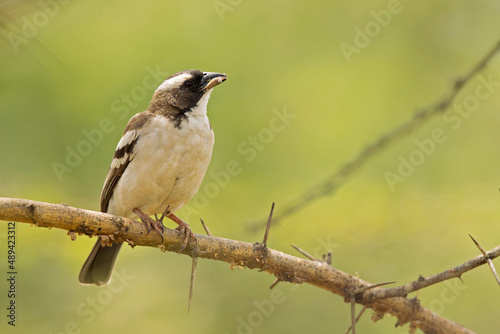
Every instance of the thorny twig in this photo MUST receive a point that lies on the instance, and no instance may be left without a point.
(423, 282)
(303, 252)
(206, 228)
(237, 253)
(335, 181)
(490, 263)
(268, 226)
(194, 265)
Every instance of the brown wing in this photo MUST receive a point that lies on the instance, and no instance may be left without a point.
(124, 154)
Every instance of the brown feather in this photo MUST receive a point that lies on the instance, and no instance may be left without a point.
(114, 174)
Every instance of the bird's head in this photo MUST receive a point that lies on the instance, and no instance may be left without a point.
(185, 90)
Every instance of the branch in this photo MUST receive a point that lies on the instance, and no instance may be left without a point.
(420, 117)
(423, 282)
(285, 267)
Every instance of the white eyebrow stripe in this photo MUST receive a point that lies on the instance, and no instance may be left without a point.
(174, 82)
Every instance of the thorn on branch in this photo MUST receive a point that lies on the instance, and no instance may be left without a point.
(261, 248)
(327, 258)
(268, 226)
(353, 315)
(276, 281)
(206, 228)
(306, 254)
(191, 281)
(368, 287)
(356, 320)
(490, 263)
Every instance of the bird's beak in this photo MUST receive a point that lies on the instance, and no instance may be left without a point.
(211, 79)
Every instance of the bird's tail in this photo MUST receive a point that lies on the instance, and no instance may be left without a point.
(98, 267)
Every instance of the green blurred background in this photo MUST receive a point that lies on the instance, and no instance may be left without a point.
(66, 67)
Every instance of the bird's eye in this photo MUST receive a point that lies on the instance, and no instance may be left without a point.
(188, 84)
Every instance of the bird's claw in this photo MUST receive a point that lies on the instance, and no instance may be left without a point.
(150, 223)
(157, 225)
(188, 234)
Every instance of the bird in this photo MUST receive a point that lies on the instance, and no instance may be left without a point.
(159, 163)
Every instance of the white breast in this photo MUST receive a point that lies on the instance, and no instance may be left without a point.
(168, 166)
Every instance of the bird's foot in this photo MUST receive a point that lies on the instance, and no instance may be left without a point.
(183, 228)
(157, 225)
(163, 215)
